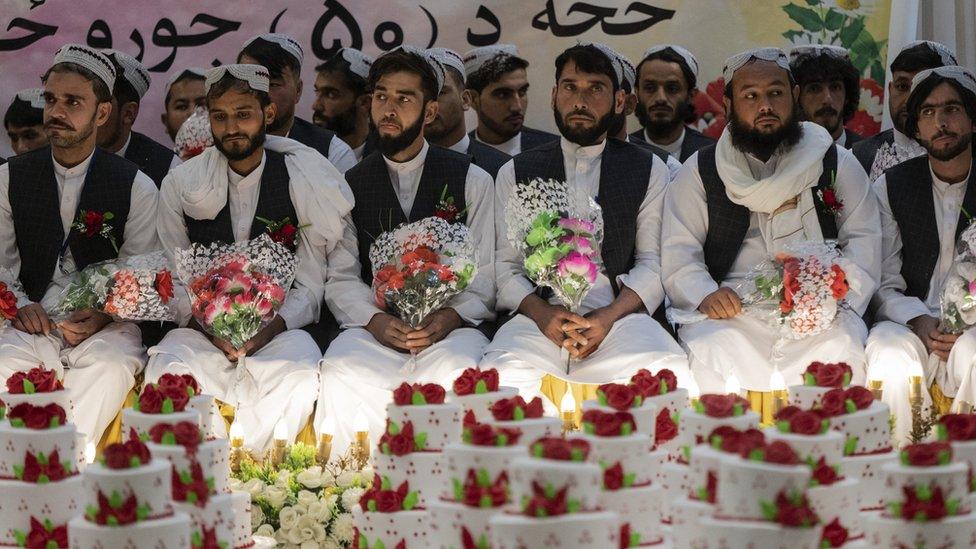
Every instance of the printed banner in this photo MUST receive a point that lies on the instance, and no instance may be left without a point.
(169, 36)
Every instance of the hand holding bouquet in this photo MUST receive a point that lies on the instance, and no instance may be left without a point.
(419, 267)
(800, 290)
(236, 289)
(559, 237)
(133, 288)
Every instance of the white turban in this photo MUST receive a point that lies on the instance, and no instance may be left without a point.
(283, 41)
(690, 60)
(739, 60)
(33, 96)
(959, 74)
(476, 58)
(133, 71)
(256, 76)
(448, 58)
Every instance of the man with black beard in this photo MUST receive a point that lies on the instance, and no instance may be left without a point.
(447, 129)
(926, 203)
(283, 56)
(759, 190)
(829, 88)
(406, 180)
(341, 102)
(613, 334)
(893, 146)
(667, 77)
(233, 192)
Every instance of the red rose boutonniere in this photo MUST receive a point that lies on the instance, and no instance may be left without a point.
(447, 210)
(90, 223)
(283, 232)
(827, 199)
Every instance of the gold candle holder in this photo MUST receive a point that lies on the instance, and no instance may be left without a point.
(915, 399)
(237, 454)
(277, 452)
(324, 452)
(361, 451)
(569, 421)
(780, 401)
(876, 386)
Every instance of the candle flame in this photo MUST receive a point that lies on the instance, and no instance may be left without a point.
(568, 403)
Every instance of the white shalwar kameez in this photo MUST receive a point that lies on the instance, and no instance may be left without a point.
(745, 346)
(101, 370)
(358, 372)
(893, 350)
(523, 355)
(279, 382)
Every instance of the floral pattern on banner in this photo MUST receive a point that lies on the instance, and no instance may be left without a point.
(300, 504)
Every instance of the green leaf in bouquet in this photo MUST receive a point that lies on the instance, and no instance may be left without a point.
(29, 388)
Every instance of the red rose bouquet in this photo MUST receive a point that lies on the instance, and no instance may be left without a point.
(10, 291)
(236, 289)
(419, 267)
(133, 288)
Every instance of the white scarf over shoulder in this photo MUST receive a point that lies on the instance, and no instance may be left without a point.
(797, 170)
(320, 194)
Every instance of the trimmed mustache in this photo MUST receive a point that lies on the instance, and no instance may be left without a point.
(56, 124)
(577, 112)
(826, 111)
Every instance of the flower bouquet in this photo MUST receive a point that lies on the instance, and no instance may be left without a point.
(194, 135)
(9, 290)
(133, 288)
(419, 266)
(958, 299)
(299, 502)
(559, 237)
(236, 289)
(801, 290)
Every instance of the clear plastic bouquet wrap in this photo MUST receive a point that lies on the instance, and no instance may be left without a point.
(418, 267)
(801, 290)
(194, 135)
(559, 237)
(958, 297)
(135, 288)
(236, 289)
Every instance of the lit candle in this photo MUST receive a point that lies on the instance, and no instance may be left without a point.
(324, 451)
(280, 442)
(915, 376)
(777, 384)
(567, 408)
(732, 385)
(237, 451)
(874, 382)
(361, 450)
(90, 452)
(694, 391)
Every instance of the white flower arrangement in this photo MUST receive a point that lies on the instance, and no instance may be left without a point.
(300, 504)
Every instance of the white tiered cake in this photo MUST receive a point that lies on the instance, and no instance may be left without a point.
(960, 431)
(128, 504)
(557, 493)
(926, 501)
(478, 470)
(630, 468)
(817, 380)
(165, 402)
(661, 391)
(515, 413)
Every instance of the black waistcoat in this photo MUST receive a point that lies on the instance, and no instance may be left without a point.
(377, 208)
(728, 222)
(35, 207)
(625, 170)
(913, 207)
(274, 204)
(313, 136)
(152, 158)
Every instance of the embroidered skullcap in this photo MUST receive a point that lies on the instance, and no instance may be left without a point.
(691, 62)
(95, 61)
(428, 58)
(948, 56)
(256, 76)
(956, 73)
(448, 58)
(610, 54)
(739, 60)
(476, 58)
(32, 96)
(133, 71)
(283, 41)
(177, 76)
(359, 62)
(816, 50)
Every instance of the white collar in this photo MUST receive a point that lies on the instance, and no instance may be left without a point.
(504, 144)
(572, 150)
(411, 165)
(249, 180)
(904, 141)
(73, 171)
(842, 140)
(944, 186)
(673, 148)
(462, 145)
(125, 147)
